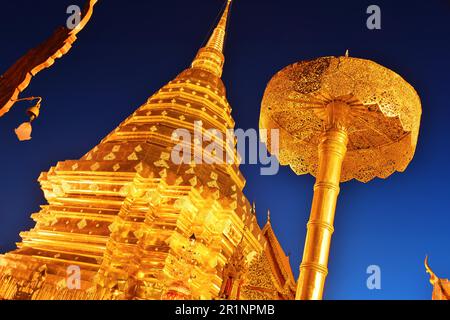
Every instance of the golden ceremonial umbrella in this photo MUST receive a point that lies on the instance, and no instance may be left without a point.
(339, 118)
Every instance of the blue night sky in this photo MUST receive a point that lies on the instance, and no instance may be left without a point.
(130, 49)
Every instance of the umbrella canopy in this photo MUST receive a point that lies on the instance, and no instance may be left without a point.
(382, 120)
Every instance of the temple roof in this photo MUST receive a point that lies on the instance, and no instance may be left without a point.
(279, 258)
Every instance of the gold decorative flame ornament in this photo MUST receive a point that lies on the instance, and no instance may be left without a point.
(340, 118)
(433, 278)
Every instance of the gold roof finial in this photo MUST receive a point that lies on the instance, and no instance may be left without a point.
(210, 57)
(268, 216)
(433, 278)
(347, 53)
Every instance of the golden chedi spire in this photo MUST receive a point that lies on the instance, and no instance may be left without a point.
(433, 278)
(211, 56)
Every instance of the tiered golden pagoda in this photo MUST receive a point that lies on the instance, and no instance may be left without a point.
(141, 227)
(340, 118)
(441, 287)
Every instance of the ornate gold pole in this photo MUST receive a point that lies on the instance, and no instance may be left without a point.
(332, 150)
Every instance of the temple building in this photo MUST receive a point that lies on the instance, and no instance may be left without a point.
(125, 222)
(441, 287)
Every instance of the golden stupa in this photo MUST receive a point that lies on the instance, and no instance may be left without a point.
(340, 118)
(140, 227)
